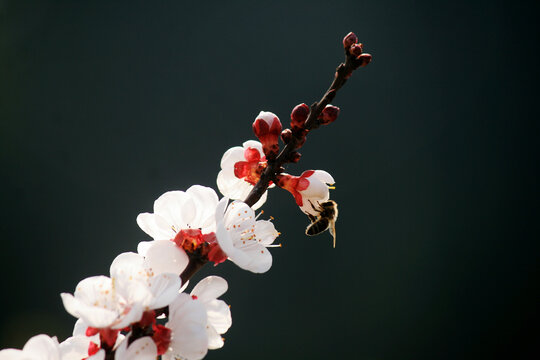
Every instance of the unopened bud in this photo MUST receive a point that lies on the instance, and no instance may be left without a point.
(364, 59)
(349, 39)
(329, 114)
(286, 136)
(295, 156)
(267, 128)
(299, 116)
(356, 50)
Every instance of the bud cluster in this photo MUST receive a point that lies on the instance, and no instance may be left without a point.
(354, 50)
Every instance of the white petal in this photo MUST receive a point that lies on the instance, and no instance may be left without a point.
(141, 349)
(220, 209)
(224, 239)
(127, 265)
(267, 116)
(130, 278)
(232, 156)
(316, 190)
(94, 316)
(205, 200)
(253, 144)
(130, 315)
(164, 256)
(219, 315)
(79, 329)
(187, 320)
(239, 217)
(210, 288)
(164, 288)
(75, 347)
(155, 226)
(214, 339)
(42, 347)
(143, 246)
(93, 301)
(259, 259)
(265, 232)
(13, 354)
(323, 176)
(100, 355)
(233, 187)
(177, 208)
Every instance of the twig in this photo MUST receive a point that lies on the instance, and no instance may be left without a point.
(343, 72)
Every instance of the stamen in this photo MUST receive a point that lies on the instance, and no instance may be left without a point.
(332, 187)
(273, 245)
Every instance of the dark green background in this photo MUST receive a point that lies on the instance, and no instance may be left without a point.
(106, 105)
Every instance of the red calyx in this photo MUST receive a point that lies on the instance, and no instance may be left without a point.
(215, 254)
(329, 114)
(93, 348)
(148, 318)
(349, 40)
(108, 337)
(90, 331)
(295, 184)
(162, 338)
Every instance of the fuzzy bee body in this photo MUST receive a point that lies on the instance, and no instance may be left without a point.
(326, 219)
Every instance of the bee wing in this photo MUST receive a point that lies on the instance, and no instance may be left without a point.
(333, 231)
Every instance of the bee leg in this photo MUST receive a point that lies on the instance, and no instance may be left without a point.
(313, 206)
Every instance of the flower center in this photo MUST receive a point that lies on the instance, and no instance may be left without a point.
(193, 241)
(251, 169)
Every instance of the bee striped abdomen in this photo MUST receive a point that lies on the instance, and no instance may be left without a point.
(317, 227)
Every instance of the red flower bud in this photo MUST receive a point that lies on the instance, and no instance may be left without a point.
(349, 39)
(286, 135)
(295, 156)
(299, 116)
(267, 128)
(364, 59)
(329, 114)
(356, 49)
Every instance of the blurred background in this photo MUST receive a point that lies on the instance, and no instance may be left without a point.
(105, 105)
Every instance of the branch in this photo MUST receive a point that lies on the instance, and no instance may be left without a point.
(343, 73)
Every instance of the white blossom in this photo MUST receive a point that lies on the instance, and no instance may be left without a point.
(237, 184)
(243, 238)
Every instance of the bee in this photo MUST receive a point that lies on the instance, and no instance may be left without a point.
(326, 219)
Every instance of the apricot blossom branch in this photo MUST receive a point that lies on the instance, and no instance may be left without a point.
(118, 314)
